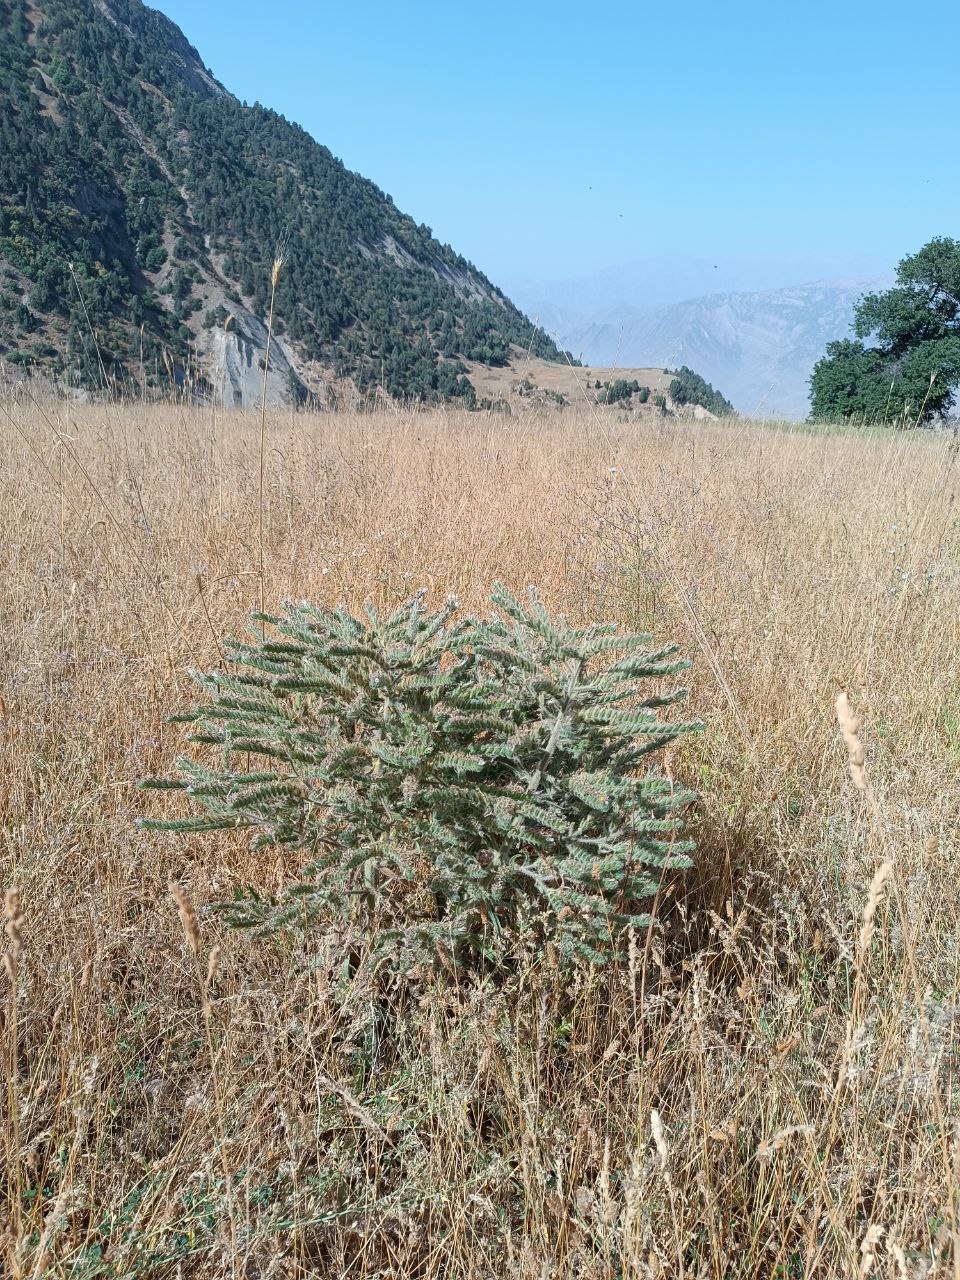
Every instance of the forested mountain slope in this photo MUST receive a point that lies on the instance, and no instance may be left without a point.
(142, 207)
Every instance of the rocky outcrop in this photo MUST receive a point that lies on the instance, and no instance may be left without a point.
(233, 359)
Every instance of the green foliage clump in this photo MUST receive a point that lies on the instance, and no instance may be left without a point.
(904, 364)
(621, 389)
(449, 782)
(688, 387)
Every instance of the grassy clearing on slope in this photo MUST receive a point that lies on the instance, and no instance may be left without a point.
(758, 1090)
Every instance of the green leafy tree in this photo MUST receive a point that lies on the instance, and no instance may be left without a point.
(448, 782)
(904, 364)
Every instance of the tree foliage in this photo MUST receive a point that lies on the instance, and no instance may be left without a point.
(904, 362)
(448, 781)
(620, 390)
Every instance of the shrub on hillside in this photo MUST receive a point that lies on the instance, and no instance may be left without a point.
(621, 389)
(450, 782)
(689, 388)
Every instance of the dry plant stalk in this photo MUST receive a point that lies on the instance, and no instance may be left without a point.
(191, 930)
(275, 274)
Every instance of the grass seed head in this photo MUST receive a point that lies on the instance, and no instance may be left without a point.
(188, 917)
(212, 963)
(850, 732)
(13, 928)
(875, 896)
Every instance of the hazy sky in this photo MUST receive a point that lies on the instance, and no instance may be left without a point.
(779, 140)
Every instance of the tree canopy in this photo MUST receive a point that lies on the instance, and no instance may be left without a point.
(903, 365)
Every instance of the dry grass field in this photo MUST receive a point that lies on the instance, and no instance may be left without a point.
(765, 1086)
(573, 381)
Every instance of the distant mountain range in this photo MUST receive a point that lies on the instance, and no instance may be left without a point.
(759, 348)
(142, 207)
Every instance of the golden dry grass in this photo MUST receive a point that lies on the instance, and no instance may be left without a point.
(765, 1087)
(574, 381)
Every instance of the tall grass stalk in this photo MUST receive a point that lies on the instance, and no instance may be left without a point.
(274, 281)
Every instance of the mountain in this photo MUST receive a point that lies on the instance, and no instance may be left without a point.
(760, 347)
(142, 207)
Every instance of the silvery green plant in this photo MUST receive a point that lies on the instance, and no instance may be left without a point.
(446, 782)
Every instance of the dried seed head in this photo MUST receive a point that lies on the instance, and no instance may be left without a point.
(277, 269)
(874, 898)
(188, 917)
(212, 962)
(13, 928)
(768, 1147)
(868, 1247)
(850, 732)
(660, 1142)
(612, 1049)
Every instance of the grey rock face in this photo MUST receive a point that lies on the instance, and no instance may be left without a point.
(234, 361)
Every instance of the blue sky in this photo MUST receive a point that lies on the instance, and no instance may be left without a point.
(773, 142)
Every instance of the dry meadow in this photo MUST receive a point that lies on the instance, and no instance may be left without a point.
(764, 1086)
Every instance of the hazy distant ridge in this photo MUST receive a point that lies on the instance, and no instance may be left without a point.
(758, 347)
